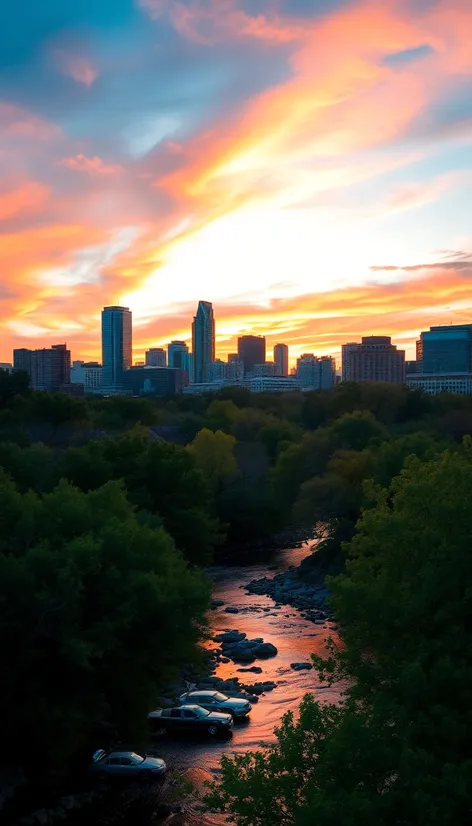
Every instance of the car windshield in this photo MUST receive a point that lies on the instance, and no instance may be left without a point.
(220, 697)
(202, 712)
(136, 758)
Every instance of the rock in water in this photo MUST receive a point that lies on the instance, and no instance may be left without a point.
(265, 649)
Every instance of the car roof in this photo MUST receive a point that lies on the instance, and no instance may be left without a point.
(121, 754)
(192, 706)
(203, 693)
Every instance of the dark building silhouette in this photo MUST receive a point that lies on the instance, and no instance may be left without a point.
(251, 351)
(22, 360)
(375, 359)
(203, 341)
(50, 368)
(155, 381)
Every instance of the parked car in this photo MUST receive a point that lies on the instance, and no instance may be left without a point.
(126, 764)
(217, 701)
(191, 718)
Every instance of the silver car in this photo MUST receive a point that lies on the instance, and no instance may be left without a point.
(217, 701)
(126, 764)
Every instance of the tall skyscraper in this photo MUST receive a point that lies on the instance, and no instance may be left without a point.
(445, 350)
(375, 359)
(251, 351)
(156, 357)
(117, 346)
(203, 341)
(281, 359)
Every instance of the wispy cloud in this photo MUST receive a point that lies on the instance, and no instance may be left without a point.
(93, 166)
(79, 67)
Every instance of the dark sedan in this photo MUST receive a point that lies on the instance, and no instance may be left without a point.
(190, 718)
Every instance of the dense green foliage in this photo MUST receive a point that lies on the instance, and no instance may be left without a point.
(110, 508)
(396, 751)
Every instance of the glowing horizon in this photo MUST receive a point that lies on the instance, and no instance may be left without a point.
(307, 171)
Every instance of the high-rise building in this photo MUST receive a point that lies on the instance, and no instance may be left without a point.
(281, 359)
(316, 373)
(375, 359)
(445, 350)
(88, 373)
(117, 346)
(203, 340)
(50, 367)
(346, 351)
(156, 357)
(22, 360)
(251, 351)
(176, 352)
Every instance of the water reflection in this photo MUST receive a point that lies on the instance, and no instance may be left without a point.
(295, 639)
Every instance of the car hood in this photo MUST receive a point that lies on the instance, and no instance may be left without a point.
(217, 715)
(233, 702)
(153, 763)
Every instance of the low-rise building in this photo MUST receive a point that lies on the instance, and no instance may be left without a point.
(88, 373)
(154, 381)
(434, 383)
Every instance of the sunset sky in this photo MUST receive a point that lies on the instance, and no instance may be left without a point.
(306, 165)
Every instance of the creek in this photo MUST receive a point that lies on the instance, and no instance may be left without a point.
(295, 638)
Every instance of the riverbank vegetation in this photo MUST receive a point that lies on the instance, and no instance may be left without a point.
(396, 751)
(111, 509)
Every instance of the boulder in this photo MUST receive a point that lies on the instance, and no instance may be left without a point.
(254, 669)
(217, 603)
(242, 656)
(230, 637)
(231, 610)
(301, 666)
(265, 649)
(225, 660)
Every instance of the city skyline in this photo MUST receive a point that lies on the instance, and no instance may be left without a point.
(306, 166)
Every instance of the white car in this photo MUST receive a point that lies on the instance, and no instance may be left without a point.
(126, 764)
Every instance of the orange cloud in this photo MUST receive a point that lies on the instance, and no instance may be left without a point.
(95, 165)
(341, 98)
(27, 197)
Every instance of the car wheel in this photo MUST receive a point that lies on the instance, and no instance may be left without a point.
(212, 730)
(145, 774)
